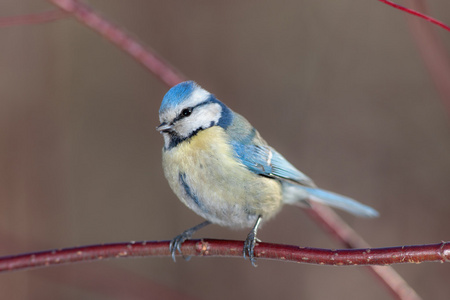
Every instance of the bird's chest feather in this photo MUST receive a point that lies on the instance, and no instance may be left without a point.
(205, 175)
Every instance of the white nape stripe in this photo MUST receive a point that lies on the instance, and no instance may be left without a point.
(197, 96)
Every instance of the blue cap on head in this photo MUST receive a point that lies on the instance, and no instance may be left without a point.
(177, 94)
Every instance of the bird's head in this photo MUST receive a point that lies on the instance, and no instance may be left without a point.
(187, 109)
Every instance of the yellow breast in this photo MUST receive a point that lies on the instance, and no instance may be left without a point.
(226, 192)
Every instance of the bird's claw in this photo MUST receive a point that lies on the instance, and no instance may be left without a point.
(249, 247)
(175, 244)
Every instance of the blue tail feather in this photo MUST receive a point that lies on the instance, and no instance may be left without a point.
(341, 202)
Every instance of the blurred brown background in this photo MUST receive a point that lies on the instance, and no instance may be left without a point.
(338, 87)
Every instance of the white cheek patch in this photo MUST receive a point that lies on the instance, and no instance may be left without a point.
(201, 117)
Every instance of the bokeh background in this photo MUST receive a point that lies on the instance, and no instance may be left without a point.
(338, 87)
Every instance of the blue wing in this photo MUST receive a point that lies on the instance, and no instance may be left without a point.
(264, 160)
(254, 153)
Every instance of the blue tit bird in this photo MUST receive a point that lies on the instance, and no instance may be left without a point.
(220, 167)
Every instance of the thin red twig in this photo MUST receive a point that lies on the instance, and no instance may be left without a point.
(416, 13)
(36, 18)
(146, 56)
(108, 280)
(433, 52)
(224, 248)
(332, 223)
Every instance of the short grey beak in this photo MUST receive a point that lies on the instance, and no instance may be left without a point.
(164, 127)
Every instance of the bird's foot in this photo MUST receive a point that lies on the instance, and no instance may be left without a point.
(249, 247)
(175, 244)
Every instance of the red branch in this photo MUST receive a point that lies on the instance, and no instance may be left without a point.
(433, 52)
(416, 13)
(146, 56)
(36, 18)
(225, 248)
(332, 223)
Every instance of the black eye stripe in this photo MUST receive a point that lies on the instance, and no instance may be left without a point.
(188, 110)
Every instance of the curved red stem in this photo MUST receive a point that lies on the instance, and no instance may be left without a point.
(416, 13)
(146, 56)
(224, 248)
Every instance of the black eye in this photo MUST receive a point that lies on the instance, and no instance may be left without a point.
(186, 112)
